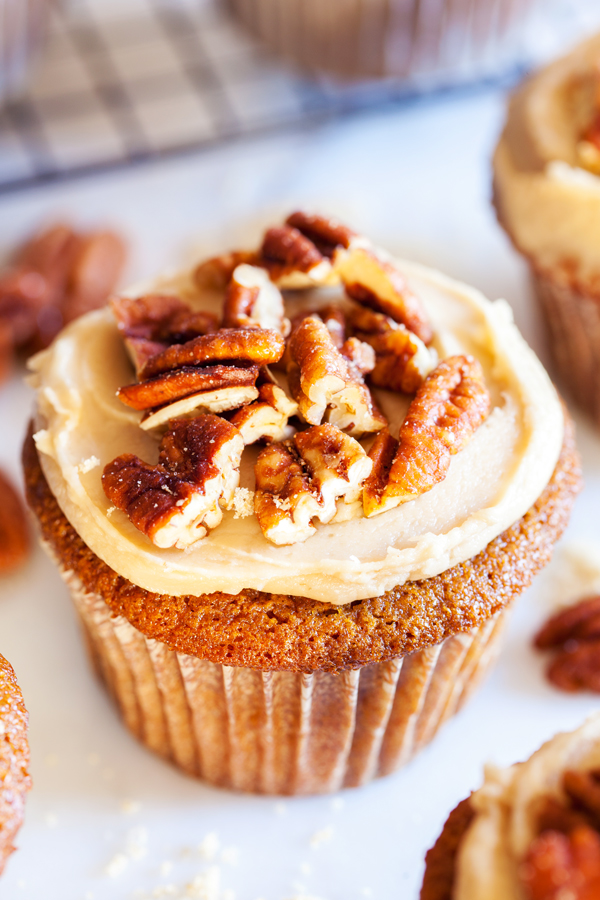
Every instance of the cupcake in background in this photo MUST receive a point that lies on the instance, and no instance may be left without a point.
(547, 197)
(422, 44)
(531, 832)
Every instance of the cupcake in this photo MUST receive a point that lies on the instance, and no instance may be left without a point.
(531, 831)
(293, 492)
(422, 45)
(547, 196)
(14, 760)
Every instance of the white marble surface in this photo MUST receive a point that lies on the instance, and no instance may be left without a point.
(416, 179)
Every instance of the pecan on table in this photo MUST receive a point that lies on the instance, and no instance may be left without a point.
(448, 408)
(177, 502)
(574, 633)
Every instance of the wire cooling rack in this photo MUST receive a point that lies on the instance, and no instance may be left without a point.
(127, 80)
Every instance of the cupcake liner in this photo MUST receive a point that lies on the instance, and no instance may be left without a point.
(573, 323)
(414, 40)
(277, 732)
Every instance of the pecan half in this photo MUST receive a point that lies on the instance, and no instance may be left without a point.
(241, 345)
(448, 408)
(293, 261)
(575, 634)
(561, 866)
(253, 301)
(174, 385)
(327, 234)
(176, 502)
(326, 385)
(303, 479)
(268, 418)
(378, 285)
(15, 544)
(219, 400)
(216, 272)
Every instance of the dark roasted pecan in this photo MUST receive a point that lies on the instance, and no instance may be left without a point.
(575, 633)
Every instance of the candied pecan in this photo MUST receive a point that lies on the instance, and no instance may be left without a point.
(268, 418)
(559, 866)
(303, 479)
(325, 384)
(365, 321)
(402, 361)
(219, 400)
(179, 500)
(583, 790)
(378, 285)
(335, 319)
(242, 345)
(292, 260)
(216, 272)
(182, 382)
(327, 234)
(448, 408)
(253, 301)
(14, 531)
(360, 354)
(578, 622)
(577, 667)
(553, 815)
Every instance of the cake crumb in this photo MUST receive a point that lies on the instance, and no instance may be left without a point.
(87, 465)
(130, 807)
(321, 837)
(117, 865)
(205, 886)
(242, 503)
(210, 846)
(110, 511)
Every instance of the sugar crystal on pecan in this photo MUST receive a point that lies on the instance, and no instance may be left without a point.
(177, 501)
(327, 234)
(448, 408)
(379, 285)
(253, 301)
(326, 385)
(360, 354)
(303, 479)
(170, 386)
(268, 418)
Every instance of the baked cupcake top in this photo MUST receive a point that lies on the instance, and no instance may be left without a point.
(334, 508)
(547, 167)
(531, 817)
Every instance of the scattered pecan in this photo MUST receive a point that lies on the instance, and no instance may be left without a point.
(292, 260)
(14, 532)
(378, 285)
(575, 634)
(178, 383)
(179, 500)
(240, 345)
(448, 408)
(253, 301)
(325, 384)
(303, 479)
(217, 271)
(327, 234)
(268, 418)
(559, 866)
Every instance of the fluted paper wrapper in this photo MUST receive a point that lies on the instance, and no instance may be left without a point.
(573, 326)
(281, 732)
(418, 41)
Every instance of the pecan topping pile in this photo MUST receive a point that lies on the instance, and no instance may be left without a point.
(563, 861)
(56, 276)
(574, 634)
(205, 384)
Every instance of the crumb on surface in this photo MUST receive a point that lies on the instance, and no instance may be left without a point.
(242, 503)
(321, 836)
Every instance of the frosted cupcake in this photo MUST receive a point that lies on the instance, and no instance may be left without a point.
(292, 523)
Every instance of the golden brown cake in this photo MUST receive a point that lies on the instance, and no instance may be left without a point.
(304, 616)
(547, 196)
(14, 760)
(531, 832)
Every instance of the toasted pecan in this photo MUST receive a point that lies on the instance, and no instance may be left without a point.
(402, 361)
(253, 301)
(15, 543)
(268, 418)
(561, 866)
(170, 386)
(292, 260)
(448, 408)
(327, 234)
(177, 501)
(216, 272)
(578, 622)
(575, 633)
(360, 354)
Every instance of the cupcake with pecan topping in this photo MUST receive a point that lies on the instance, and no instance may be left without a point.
(547, 196)
(293, 492)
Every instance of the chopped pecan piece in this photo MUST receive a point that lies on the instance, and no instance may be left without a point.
(334, 318)
(575, 634)
(448, 408)
(293, 261)
(240, 345)
(267, 419)
(558, 866)
(360, 354)
(216, 272)
(326, 384)
(303, 479)
(176, 502)
(218, 400)
(327, 234)
(378, 285)
(174, 385)
(253, 301)
(402, 361)
(14, 531)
